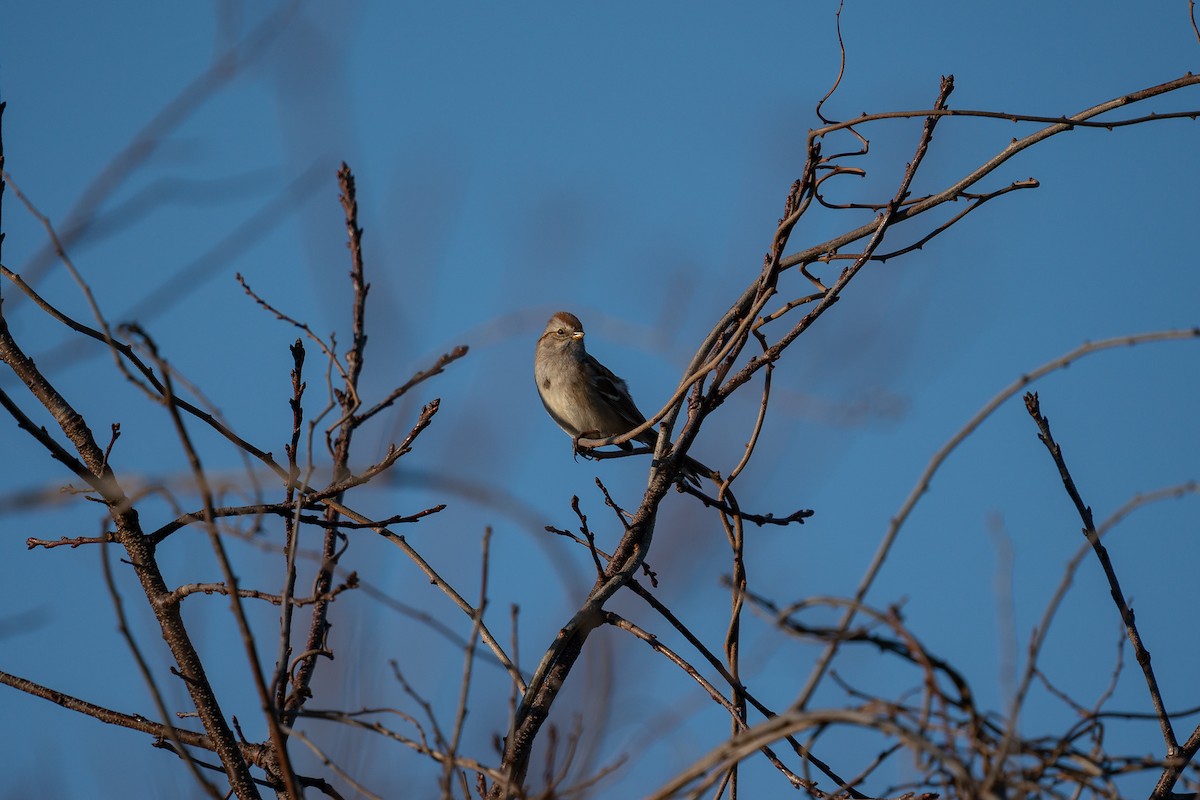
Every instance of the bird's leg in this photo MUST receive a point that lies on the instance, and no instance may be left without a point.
(582, 451)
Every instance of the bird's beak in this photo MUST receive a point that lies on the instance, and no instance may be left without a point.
(577, 335)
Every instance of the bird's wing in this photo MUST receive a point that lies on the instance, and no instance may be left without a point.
(616, 392)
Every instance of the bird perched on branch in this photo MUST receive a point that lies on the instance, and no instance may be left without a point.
(584, 397)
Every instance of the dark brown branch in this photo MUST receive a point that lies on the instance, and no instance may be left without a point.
(327, 349)
(738, 714)
(452, 747)
(1089, 531)
(148, 677)
(351, 582)
(438, 367)
(588, 536)
(252, 752)
(266, 459)
(716, 664)
(339, 446)
(349, 200)
(127, 352)
(281, 760)
(275, 509)
(419, 745)
(560, 657)
(73, 542)
(99, 475)
(279, 683)
(975, 201)
(1057, 126)
(758, 519)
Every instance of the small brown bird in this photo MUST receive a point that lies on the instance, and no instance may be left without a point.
(583, 396)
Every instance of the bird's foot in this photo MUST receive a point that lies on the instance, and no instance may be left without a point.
(586, 452)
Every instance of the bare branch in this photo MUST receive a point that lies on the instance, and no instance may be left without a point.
(1089, 531)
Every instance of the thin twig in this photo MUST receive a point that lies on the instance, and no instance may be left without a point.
(1089, 530)
(460, 715)
(935, 463)
(287, 775)
(148, 678)
(922, 147)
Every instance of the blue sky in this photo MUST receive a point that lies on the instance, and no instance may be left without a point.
(627, 163)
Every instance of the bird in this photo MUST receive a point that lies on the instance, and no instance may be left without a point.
(585, 397)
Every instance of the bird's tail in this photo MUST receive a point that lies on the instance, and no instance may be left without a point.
(693, 471)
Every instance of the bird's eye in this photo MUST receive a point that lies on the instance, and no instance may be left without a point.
(561, 332)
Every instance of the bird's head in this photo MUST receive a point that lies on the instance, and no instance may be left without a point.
(564, 331)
